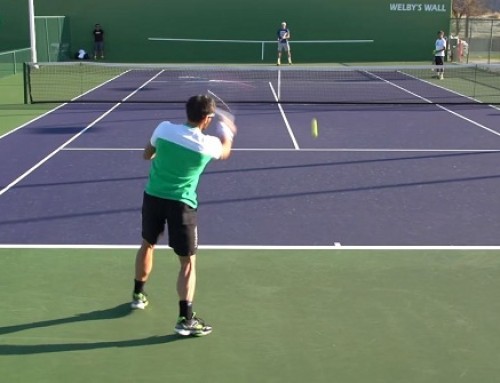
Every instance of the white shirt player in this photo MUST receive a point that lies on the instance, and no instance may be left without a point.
(440, 47)
(283, 35)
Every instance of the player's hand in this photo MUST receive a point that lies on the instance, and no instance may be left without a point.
(225, 128)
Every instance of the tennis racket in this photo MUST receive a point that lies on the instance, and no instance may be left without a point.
(222, 109)
(225, 127)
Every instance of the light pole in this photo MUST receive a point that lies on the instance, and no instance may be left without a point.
(34, 57)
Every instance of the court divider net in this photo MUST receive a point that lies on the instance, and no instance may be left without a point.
(92, 82)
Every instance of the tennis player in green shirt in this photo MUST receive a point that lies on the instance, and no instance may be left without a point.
(179, 153)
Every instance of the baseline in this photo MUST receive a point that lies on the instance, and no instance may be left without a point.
(335, 246)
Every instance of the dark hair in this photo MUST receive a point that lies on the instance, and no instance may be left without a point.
(198, 107)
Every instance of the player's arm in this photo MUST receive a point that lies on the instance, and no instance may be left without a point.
(149, 151)
(227, 145)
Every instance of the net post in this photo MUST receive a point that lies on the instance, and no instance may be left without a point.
(476, 69)
(262, 51)
(25, 82)
(48, 39)
(491, 42)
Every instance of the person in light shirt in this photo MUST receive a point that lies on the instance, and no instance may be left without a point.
(439, 53)
(283, 35)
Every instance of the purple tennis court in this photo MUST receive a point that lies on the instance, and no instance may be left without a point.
(402, 174)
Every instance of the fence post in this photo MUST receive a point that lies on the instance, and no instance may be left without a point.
(491, 42)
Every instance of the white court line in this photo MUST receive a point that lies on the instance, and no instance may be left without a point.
(287, 124)
(260, 41)
(376, 150)
(247, 84)
(469, 120)
(334, 246)
(53, 153)
(60, 106)
(31, 121)
(353, 150)
(74, 149)
(437, 105)
(478, 102)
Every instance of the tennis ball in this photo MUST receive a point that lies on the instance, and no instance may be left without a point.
(314, 127)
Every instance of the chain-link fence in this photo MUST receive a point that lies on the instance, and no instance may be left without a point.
(11, 62)
(474, 40)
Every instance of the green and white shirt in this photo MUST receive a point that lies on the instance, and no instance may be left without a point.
(182, 153)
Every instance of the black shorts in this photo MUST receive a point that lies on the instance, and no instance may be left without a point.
(438, 60)
(98, 46)
(181, 220)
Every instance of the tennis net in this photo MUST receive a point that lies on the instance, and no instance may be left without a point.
(168, 83)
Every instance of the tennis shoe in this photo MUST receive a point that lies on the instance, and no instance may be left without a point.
(139, 301)
(194, 326)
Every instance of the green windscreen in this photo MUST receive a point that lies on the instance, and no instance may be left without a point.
(398, 31)
(53, 39)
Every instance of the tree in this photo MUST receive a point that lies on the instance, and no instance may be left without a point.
(467, 8)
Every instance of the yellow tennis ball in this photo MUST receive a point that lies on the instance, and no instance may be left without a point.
(314, 128)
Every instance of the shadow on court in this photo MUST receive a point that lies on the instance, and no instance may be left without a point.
(13, 349)
(415, 158)
(64, 130)
(116, 312)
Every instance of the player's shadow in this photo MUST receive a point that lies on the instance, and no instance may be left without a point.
(15, 349)
(116, 312)
(68, 130)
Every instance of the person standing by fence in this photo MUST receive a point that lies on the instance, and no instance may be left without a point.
(98, 41)
(439, 53)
